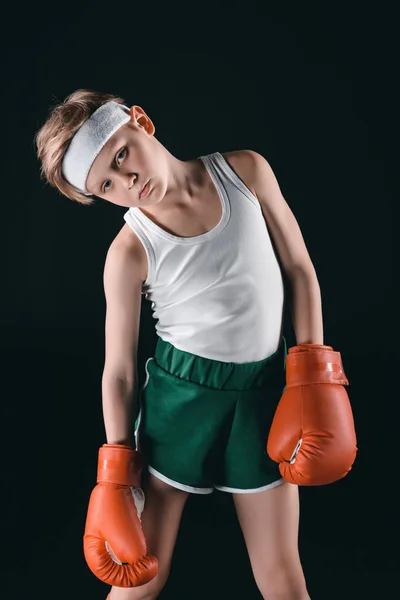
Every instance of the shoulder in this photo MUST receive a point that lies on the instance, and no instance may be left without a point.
(247, 165)
(127, 249)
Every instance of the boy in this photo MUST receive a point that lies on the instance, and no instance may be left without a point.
(197, 242)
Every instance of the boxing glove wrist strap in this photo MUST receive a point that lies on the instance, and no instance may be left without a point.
(309, 364)
(119, 464)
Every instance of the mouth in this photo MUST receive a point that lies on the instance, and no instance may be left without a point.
(145, 190)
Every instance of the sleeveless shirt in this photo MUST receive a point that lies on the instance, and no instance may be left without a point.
(219, 295)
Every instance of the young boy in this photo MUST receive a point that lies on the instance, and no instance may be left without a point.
(198, 241)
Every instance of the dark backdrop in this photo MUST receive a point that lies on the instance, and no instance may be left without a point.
(311, 87)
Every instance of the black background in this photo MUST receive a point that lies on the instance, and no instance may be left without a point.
(311, 86)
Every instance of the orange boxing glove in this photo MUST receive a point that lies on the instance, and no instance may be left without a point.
(312, 435)
(114, 544)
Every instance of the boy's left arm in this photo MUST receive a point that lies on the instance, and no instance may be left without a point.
(312, 436)
(305, 295)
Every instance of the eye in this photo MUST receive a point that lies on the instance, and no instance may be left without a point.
(120, 156)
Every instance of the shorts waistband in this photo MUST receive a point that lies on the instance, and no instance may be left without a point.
(222, 375)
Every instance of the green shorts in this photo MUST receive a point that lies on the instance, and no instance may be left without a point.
(203, 424)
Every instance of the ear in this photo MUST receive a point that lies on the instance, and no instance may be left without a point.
(139, 117)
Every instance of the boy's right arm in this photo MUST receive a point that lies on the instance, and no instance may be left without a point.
(123, 277)
(114, 544)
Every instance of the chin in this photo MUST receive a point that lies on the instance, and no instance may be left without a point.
(151, 200)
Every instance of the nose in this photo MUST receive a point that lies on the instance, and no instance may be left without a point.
(127, 179)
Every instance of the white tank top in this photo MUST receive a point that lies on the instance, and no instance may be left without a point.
(219, 295)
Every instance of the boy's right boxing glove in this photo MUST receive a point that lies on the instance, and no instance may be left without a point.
(114, 544)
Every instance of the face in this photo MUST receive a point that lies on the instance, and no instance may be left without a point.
(129, 159)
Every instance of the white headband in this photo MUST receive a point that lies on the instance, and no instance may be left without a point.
(89, 140)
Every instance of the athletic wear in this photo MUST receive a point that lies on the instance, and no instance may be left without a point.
(219, 295)
(203, 424)
(219, 368)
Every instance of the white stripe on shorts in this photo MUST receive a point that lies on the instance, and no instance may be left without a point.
(180, 486)
(222, 488)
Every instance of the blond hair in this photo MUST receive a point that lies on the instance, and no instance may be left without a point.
(54, 137)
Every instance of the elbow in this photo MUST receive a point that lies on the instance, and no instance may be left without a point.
(303, 272)
(111, 378)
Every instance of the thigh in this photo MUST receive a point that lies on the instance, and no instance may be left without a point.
(270, 523)
(161, 518)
